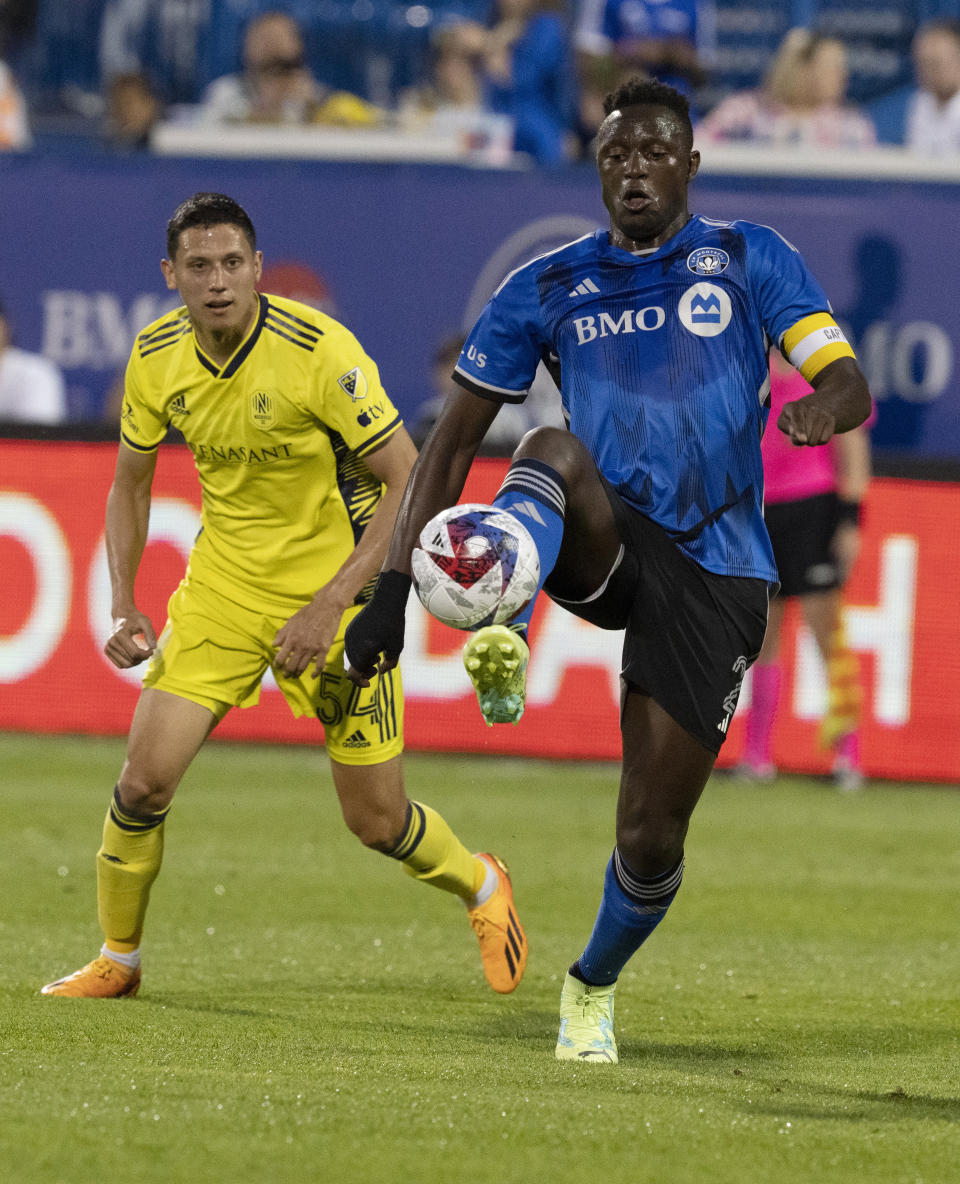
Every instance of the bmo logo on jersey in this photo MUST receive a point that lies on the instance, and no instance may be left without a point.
(643, 320)
(705, 310)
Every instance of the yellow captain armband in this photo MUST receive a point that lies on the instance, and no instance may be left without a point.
(815, 342)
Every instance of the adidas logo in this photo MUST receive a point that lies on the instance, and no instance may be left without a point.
(587, 288)
(529, 509)
(356, 740)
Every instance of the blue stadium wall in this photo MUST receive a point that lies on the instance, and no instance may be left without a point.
(406, 255)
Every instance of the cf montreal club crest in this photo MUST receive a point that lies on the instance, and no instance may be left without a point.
(708, 261)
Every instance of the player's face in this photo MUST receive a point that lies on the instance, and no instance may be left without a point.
(645, 164)
(216, 273)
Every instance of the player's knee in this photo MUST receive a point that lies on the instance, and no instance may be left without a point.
(377, 829)
(557, 447)
(651, 843)
(143, 794)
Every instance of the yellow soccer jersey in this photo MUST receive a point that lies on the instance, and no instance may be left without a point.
(278, 436)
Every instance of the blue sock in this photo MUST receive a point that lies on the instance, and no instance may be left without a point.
(631, 908)
(537, 495)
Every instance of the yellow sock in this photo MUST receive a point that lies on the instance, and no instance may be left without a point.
(431, 852)
(127, 864)
(845, 692)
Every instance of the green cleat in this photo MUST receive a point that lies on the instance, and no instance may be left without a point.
(586, 1023)
(496, 661)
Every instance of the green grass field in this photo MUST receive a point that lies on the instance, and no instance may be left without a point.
(309, 1013)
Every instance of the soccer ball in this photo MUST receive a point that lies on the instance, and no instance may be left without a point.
(475, 566)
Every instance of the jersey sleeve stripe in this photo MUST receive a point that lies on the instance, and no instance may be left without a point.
(178, 324)
(158, 344)
(487, 390)
(288, 327)
(307, 345)
(371, 444)
(138, 447)
(311, 330)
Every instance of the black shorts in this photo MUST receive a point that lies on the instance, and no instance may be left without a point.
(802, 533)
(690, 635)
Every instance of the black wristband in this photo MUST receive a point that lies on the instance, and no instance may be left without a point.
(848, 512)
(393, 587)
(377, 629)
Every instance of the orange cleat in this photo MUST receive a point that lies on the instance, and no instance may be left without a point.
(100, 979)
(503, 944)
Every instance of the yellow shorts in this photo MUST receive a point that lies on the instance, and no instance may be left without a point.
(216, 652)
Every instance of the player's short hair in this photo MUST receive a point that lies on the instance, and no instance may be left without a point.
(647, 92)
(208, 209)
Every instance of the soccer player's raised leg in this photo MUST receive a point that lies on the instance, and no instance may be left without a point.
(664, 772)
(166, 733)
(551, 478)
(377, 810)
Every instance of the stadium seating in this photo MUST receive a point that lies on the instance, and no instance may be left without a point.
(375, 48)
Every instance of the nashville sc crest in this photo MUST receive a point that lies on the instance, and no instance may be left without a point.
(263, 410)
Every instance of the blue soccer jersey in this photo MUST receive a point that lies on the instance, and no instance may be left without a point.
(664, 369)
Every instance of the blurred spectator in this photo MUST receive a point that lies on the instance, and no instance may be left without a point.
(516, 69)
(14, 125)
(541, 406)
(933, 115)
(162, 39)
(664, 39)
(31, 386)
(812, 500)
(277, 86)
(452, 100)
(132, 111)
(802, 101)
(530, 77)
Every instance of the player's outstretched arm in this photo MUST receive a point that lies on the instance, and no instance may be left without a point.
(128, 517)
(840, 402)
(375, 636)
(309, 633)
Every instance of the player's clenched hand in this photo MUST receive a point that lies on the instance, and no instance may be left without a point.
(374, 637)
(806, 423)
(132, 640)
(306, 638)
